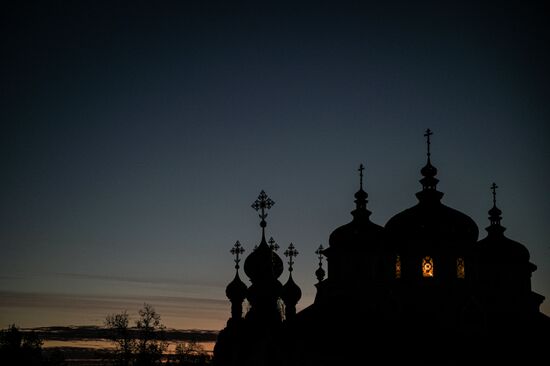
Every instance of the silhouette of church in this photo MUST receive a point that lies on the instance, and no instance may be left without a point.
(421, 290)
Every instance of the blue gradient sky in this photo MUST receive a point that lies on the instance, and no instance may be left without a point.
(135, 137)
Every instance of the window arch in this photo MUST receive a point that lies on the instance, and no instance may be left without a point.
(460, 270)
(427, 266)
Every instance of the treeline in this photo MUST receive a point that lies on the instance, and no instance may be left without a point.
(139, 343)
(93, 332)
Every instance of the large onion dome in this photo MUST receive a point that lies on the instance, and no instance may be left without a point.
(430, 221)
(263, 263)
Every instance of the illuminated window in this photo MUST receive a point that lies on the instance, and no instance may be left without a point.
(460, 267)
(427, 267)
(398, 267)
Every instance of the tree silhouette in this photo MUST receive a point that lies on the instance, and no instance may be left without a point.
(143, 345)
(150, 344)
(121, 335)
(18, 348)
(191, 353)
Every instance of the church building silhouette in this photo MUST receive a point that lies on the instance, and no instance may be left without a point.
(420, 290)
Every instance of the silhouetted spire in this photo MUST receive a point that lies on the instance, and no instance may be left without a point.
(495, 214)
(236, 290)
(291, 291)
(320, 272)
(361, 196)
(263, 262)
(261, 204)
(263, 267)
(429, 181)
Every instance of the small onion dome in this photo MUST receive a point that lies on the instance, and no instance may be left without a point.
(499, 249)
(320, 274)
(263, 264)
(236, 290)
(496, 247)
(291, 292)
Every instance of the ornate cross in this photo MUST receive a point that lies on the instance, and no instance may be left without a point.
(261, 204)
(290, 253)
(361, 168)
(494, 189)
(319, 253)
(427, 135)
(237, 250)
(274, 246)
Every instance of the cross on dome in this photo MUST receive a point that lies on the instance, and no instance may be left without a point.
(262, 204)
(319, 253)
(237, 250)
(361, 168)
(427, 135)
(272, 244)
(291, 252)
(494, 189)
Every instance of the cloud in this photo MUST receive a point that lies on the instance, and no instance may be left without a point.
(33, 309)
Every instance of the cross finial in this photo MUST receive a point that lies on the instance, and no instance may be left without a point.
(291, 252)
(427, 135)
(261, 204)
(494, 189)
(320, 272)
(361, 168)
(272, 244)
(319, 253)
(237, 250)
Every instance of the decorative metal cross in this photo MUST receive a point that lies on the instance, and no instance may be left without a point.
(237, 250)
(427, 135)
(263, 203)
(319, 253)
(290, 253)
(274, 246)
(361, 168)
(494, 189)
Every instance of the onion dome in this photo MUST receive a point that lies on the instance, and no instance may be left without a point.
(360, 229)
(236, 290)
(291, 292)
(496, 247)
(430, 218)
(263, 263)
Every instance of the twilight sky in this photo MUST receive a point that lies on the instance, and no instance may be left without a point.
(135, 137)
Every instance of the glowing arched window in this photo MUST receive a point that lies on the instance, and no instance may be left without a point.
(427, 267)
(398, 267)
(460, 267)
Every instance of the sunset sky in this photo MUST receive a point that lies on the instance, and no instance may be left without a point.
(135, 137)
